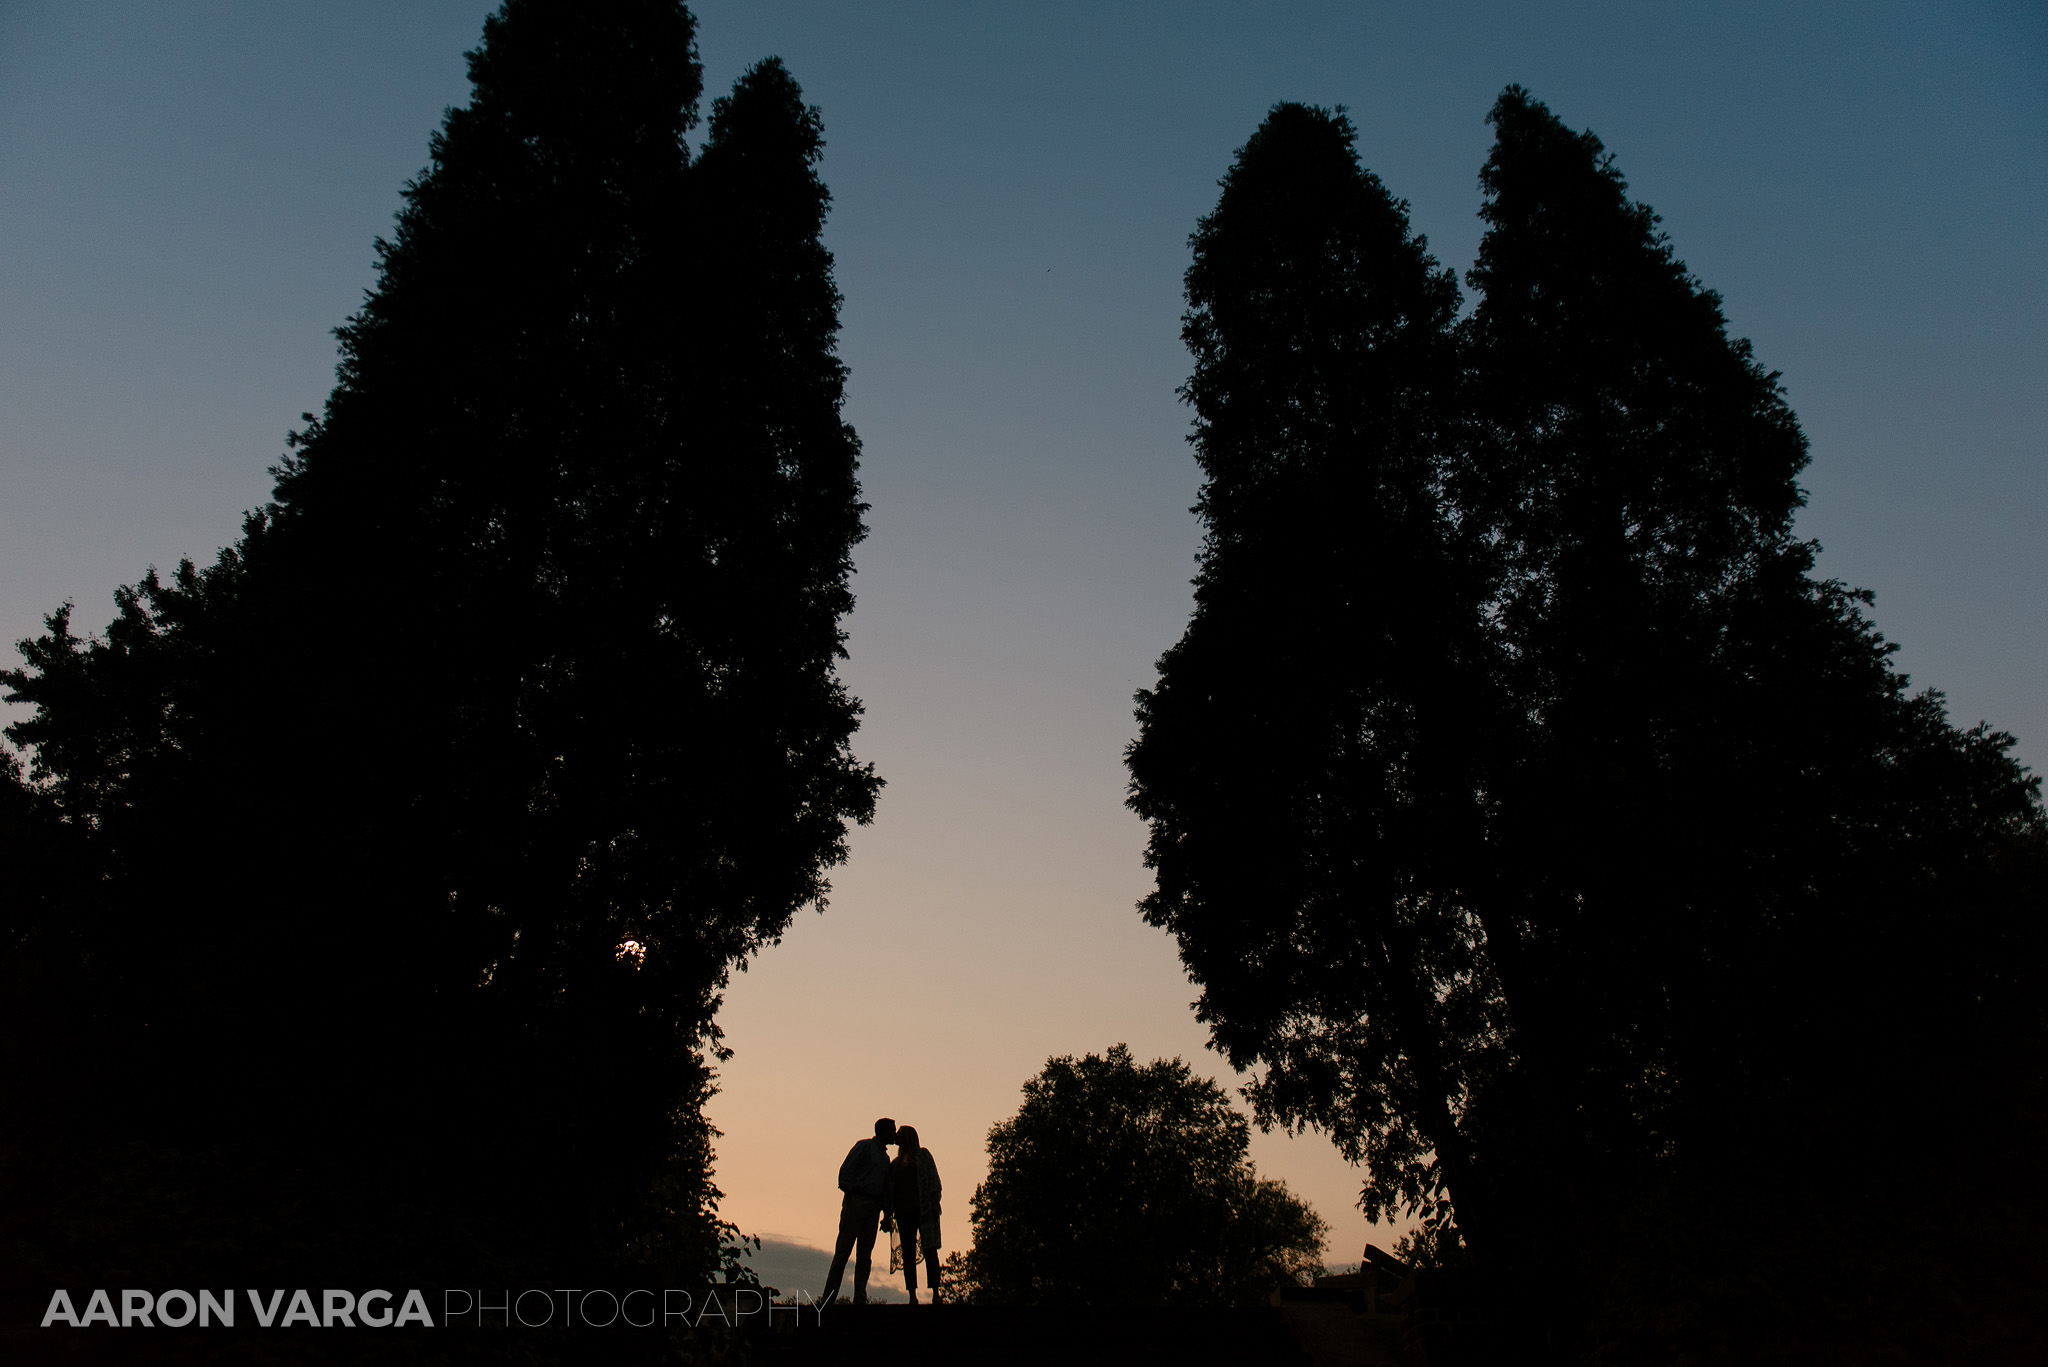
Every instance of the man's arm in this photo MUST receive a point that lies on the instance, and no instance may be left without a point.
(849, 1171)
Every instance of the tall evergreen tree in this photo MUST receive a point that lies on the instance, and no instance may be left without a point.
(1702, 800)
(1306, 759)
(1526, 807)
(1728, 840)
(1635, 471)
(449, 796)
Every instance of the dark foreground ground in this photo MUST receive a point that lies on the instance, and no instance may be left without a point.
(1293, 1335)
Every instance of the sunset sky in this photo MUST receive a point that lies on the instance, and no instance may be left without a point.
(189, 193)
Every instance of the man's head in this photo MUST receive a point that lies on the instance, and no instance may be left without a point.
(885, 1130)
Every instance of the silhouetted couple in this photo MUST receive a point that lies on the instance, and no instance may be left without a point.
(902, 1195)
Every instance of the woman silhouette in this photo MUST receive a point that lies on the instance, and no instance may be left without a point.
(914, 1209)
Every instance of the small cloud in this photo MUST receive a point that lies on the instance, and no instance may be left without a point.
(790, 1266)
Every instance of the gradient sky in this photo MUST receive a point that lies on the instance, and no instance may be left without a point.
(188, 193)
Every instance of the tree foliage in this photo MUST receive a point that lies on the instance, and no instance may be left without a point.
(1307, 757)
(1529, 811)
(1117, 1183)
(531, 655)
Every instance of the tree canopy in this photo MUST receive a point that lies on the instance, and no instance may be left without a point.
(447, 797)
(1125, 1184)
(1323, 702)
(1530, 813)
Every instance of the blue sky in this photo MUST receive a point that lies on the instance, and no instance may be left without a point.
(189, 191)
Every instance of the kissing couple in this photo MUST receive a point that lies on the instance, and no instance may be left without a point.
(903, 1195)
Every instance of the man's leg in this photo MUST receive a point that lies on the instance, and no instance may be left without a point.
(848, 1228)
(864, 1244)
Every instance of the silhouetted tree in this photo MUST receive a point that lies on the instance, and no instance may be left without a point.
(532, 656)
(1549, 833)
(1719, 822)
(1116, 1184)
(1634, 471)
(1307, 760)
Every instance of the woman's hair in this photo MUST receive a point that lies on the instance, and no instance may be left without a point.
(906, 1138)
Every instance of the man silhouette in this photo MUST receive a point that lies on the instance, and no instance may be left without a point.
(864, 1177)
